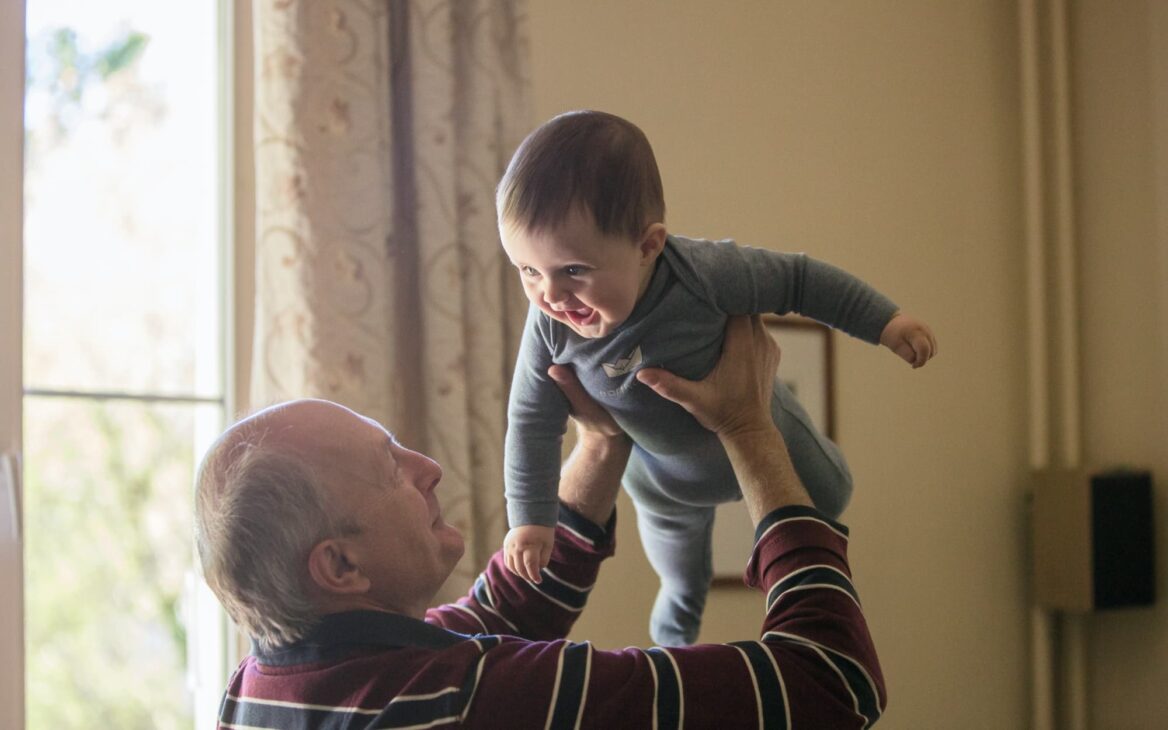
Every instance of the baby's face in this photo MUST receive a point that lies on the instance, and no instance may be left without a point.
(576, 275)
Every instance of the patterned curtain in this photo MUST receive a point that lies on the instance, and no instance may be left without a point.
(381, 130)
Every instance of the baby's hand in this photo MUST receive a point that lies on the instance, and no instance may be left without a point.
(527, 550)
(910, 338)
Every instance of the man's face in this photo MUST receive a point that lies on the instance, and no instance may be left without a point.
(404, 546)
(576, 275)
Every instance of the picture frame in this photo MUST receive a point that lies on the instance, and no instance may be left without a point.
(807, 367)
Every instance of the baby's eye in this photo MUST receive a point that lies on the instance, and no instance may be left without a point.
(528, 272)
(573, 270)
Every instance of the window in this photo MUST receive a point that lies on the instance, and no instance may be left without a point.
(123, 357)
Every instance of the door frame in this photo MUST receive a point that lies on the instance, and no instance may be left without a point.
(12, 15)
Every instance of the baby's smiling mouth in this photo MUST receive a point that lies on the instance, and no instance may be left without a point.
(580, 317)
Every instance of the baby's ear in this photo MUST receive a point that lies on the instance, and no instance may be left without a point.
(652, 242)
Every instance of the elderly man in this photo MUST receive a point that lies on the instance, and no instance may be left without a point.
(323, 538)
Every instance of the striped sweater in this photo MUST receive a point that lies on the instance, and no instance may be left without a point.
(497, 658)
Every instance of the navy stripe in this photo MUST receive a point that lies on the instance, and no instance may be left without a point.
(866, 698)
(668, 691)
(572, 688)
(480, 592)
(770, 691)
(488, 641)
(254, 714)
(795, 510)
(813, 576)
(600, 536)
(404, 713)
(554, 588)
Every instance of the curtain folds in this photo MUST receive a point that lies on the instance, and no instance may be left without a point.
(381, 130)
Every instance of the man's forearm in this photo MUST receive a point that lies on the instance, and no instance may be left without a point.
(591, 477)
(764, 470)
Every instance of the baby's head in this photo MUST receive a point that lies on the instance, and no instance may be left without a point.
(582, 216)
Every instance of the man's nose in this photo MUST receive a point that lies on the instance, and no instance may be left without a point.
(431, 473)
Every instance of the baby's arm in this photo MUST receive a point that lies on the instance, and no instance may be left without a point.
(537, 416)
(746, 280)
(910, 338)
(589, 483)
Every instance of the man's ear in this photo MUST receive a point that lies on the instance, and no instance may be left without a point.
(334, 569)
(652, 242)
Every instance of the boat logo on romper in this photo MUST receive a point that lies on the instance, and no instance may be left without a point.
(624, 365)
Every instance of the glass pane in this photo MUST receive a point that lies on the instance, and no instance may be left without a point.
(120, 181)
(108, 561)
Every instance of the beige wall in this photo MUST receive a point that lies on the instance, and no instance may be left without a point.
(884, 137)
(1121, 117)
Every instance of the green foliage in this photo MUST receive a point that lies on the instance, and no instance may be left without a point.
(107, 553)
(59, 67)
(120, 55)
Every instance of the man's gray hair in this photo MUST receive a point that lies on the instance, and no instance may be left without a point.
(259, 511)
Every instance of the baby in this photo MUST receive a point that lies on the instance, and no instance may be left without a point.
(582, 217)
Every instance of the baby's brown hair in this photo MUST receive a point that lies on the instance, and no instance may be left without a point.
(583, 158)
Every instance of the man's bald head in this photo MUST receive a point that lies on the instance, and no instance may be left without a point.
(262, 503)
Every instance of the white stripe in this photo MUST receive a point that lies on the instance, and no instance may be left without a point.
(817, 566)
(460, 607)
(558, 602)
(474, 688)
(428, 696)
(859, 665)
(353, 710)
(432, 723)
(801, 519)
(782, 684)
(804, 569)
(584, 692)
(753, 682)
(487, 590)
(491, 606)
(842, 678)
(556, 687)
(810, 586)
(653, 669)
(502, 618)
(582, 589)
(680, 689)
(577, 534)
(304, 706)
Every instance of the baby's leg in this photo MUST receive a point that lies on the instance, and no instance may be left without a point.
(678, 548)
(818, 461)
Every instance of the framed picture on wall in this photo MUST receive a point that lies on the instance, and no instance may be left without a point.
(807, 368)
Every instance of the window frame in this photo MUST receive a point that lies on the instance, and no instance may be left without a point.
(213, 660)
(12, 73)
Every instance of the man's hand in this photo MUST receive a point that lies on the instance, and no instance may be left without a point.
(734, 402)
(910, 338)
(736, 395)
(590, 479)
(590, 417)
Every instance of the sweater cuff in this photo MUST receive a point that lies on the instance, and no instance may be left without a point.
(587, 531)
(795, 510)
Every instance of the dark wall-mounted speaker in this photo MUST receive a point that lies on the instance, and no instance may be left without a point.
(1093, 540)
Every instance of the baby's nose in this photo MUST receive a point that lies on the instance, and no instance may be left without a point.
(553, 293)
